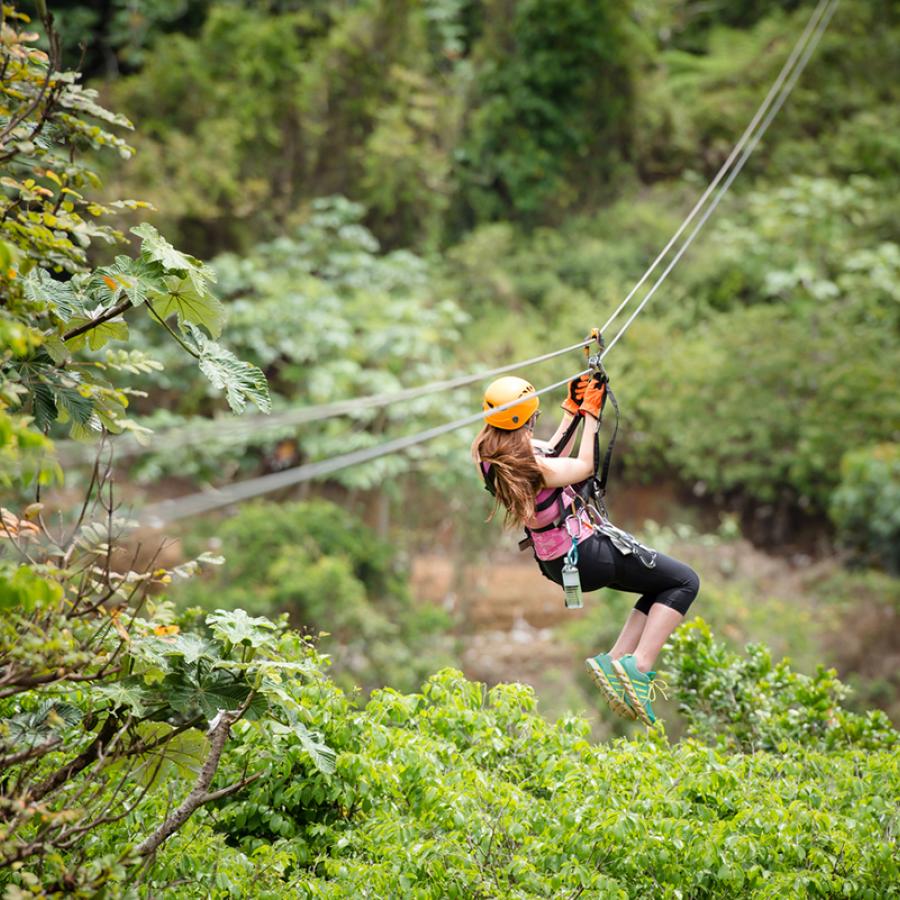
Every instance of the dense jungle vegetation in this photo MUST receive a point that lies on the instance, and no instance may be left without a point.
(216, 214)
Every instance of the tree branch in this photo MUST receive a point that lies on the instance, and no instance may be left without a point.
(81, 762)
(200, 793)
(39, 750)
(111, 313)
(26, 684)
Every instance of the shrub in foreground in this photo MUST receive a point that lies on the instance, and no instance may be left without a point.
(457, 791)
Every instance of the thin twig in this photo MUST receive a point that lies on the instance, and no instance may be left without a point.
(171, 330)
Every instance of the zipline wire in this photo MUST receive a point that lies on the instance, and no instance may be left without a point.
(211, 429)
(206, 501)
(190, 435)
(748, 150)
(799, 47)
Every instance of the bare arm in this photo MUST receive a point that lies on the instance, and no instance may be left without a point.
(561, 472)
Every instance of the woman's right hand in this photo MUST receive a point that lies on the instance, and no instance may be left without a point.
(577, 387)
(594, 396)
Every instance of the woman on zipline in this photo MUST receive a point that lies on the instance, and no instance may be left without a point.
(532, 480)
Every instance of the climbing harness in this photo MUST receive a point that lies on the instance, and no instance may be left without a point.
(566, 516)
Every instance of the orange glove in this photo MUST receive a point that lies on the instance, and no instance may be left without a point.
(577, 386)
(594, 395)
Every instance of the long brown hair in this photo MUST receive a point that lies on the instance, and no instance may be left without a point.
(517, 476)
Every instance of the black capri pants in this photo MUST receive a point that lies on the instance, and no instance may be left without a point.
(601, 564)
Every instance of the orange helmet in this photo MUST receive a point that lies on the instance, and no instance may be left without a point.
(506, 390)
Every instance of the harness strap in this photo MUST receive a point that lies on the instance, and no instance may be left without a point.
(566, 436)
(487, 473)
(549, 501)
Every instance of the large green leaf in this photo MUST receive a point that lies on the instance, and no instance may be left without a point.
(241, 381)
(43, 406)
(155, 247)
(66, 298)
(177, 754)
(111, 330)
(215, 691)
(236, 626)
(323, 756)
(129, 692)
(188, 298)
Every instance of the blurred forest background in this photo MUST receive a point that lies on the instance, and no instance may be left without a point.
(389, 192)
(394, 192)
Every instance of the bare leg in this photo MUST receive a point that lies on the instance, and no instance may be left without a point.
(630, 635)
(661, 622)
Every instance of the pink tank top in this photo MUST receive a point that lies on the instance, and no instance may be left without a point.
(551, 504)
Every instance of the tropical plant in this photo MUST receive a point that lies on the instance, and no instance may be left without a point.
(58, 313)
(106, 695)
(750, 703)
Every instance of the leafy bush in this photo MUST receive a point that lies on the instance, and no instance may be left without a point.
(328, 572)
(732, 404)
(328, 316)
(750, 703)
(114, 718)
(553, 86)
(865, 508)
(460, 792)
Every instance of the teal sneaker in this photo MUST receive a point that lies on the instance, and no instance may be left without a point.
(639, 687)
(605, 677)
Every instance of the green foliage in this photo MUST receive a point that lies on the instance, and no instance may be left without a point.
(328, 572)
(58, 312)
(715, 65)
(262, 111)
(865, 507)
(456, 791)
(734, 406)
(548, 118)
(751, 703)
(326, 316)
(106, 695)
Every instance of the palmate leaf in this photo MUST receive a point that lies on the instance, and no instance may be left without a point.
(129, 693)
(155, 247)
(215, 691)
(182, 753)
(36, 726)
(241, 381)
(189, 299)
(158, 650)
(236, 626)
(137, 279)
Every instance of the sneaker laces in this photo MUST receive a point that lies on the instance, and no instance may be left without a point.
(657, 684)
